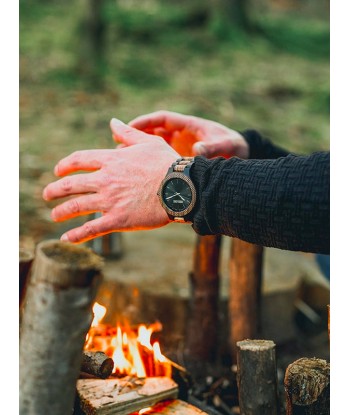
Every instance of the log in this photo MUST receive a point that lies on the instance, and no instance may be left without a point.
(202, 335)
(56, 319)
(307, 386)
(97, 364)
(244, 292)
(123, 396)
(26, 258)
(257, 377)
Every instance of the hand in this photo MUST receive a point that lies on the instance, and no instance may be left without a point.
(186, 133)
(121, 183)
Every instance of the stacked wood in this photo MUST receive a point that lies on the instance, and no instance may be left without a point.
(56, 319)
(257, 377)
(202, 335)
(123, 396)
(307, 386)
(244, 292)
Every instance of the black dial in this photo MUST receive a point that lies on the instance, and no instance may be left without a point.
(177, 194)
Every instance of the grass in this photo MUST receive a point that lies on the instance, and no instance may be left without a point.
(162, 55)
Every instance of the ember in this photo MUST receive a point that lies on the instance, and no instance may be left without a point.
(131, 349)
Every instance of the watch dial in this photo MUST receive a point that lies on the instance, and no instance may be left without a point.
(177, 194)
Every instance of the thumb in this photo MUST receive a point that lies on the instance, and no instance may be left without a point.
(224, 148)
(123, 133)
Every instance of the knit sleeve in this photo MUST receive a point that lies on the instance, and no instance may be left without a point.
(261, 147)
(281, 203)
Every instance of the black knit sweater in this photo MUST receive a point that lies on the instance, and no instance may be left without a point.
(274, 199)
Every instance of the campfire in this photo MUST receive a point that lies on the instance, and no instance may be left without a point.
(132, 349)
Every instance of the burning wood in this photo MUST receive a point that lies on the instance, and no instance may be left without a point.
(123, 396)
(131, 349)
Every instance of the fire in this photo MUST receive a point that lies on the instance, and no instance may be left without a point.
(132, 351)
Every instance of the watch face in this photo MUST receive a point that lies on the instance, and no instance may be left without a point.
(177, 194)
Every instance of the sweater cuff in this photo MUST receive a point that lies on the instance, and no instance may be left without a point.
(261, 147)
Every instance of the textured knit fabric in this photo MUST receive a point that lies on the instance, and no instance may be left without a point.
(274, 199)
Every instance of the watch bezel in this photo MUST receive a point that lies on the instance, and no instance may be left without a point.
(182, 176)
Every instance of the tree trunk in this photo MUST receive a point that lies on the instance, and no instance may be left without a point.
(307, 386)
(257, 377)
(202, 334)
(91, 44)
(245, 292)
(56, 319)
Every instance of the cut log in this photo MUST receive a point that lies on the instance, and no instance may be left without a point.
(257, 377)
(307, 386)
(202, 335)
(56, 319)
(97, 364)
(25, 262)
(245, 292)
(123, 396)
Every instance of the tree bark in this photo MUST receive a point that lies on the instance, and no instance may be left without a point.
(307, 386)
(244, 292)
(202, 334)
(56, 319)
(257, 377)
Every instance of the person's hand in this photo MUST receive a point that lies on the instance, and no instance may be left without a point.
(121, 183)
(194, 135)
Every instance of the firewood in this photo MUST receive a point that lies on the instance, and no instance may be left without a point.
(202, 335)
(307, 386)
(97, 364)
(56, 319)
(245, 292)
(257, 377)
(123, 396)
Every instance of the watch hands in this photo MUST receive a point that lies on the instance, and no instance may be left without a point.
(176, 194)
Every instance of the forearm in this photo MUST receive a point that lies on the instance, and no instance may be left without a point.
(281, 203)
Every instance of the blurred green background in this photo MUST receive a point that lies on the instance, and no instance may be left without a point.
(260, 64)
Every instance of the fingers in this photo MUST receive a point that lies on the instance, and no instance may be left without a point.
(126, 134)
(88, 160)
(77, 206)
(71, 185)
(170, 121)
(91, 229)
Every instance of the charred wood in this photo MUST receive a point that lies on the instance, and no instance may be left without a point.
(202, 336)
(244, 292)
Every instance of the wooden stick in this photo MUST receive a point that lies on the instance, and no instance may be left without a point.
(202, 336)
(56, 319)
(26, 258)
(244, 292)
(307, 386)
(257, 377)
(97, 364)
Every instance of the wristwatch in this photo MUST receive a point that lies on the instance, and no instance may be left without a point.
(177, 193)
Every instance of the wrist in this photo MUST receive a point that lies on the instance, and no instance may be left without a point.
(177, 193)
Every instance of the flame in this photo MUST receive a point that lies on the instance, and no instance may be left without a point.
(99, 312)
(144, 410)
(131, 350)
